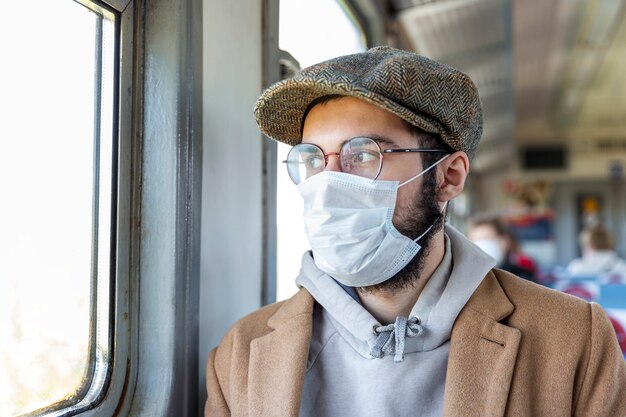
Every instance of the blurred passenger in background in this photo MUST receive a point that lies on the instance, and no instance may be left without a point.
(495, 238)
(599, 256)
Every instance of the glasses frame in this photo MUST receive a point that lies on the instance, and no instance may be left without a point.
(382, 153)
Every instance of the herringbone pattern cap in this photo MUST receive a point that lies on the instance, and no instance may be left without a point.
(432, 96)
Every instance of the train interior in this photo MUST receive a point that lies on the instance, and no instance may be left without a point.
(145, 213)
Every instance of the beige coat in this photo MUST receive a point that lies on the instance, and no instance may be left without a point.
(517, 349)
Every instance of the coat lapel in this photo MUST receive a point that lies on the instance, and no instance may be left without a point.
(482, 355)
(278, 360)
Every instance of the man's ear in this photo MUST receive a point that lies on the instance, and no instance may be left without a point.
(452, 174)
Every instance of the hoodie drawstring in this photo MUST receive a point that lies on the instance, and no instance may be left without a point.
(391, 337)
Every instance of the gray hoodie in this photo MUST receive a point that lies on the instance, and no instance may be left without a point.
(358, 367)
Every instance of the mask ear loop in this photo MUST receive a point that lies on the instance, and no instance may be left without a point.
(423, 234)
(443, 209)
(424, 171)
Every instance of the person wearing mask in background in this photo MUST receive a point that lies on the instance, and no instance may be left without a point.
(494, 237)
(598, 255)
(399, 314)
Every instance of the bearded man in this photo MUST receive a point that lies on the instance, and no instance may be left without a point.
(398, 314)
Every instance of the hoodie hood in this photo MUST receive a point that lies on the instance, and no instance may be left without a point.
(430, 322)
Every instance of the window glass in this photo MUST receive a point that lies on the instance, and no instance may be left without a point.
(56, 147)
(312, 31)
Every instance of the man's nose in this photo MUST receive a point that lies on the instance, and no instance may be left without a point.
(332, 162)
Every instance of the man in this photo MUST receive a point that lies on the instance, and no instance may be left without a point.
(599, 256)
(496, 239)
(398, 315)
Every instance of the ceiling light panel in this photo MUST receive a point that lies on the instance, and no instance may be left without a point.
(446, 29)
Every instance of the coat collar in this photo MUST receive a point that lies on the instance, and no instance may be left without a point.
(480, 366)
(483, 353)
(278, 360)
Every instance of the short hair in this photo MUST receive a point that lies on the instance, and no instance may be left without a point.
(429, 140)
(597, 237)
(494, 222)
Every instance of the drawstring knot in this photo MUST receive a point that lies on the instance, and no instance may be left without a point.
(391, 337)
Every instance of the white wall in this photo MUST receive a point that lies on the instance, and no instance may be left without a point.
(231, 241)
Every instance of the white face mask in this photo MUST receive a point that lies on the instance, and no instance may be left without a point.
(348, 221)
(492, 248)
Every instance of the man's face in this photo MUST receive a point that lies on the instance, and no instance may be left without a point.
(330, 124)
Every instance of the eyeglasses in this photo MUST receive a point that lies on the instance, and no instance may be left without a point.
(358, 156)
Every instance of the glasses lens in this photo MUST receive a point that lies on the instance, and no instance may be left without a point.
(303, 161)
(361, 156)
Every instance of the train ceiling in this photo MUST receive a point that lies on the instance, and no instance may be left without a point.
(548, 71)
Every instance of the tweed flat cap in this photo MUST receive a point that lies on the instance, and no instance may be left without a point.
(432, 96)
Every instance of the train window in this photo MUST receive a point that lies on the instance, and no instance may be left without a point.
(311, 31)
(57, 176)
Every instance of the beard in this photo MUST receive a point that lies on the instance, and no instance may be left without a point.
(412, 222)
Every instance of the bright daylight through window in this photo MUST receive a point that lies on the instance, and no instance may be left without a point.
(300, 35)
(56, 149)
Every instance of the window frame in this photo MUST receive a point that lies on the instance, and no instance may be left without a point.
(155, 355)
(155, 365)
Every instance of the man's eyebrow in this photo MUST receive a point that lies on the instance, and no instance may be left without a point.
(382, 140)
